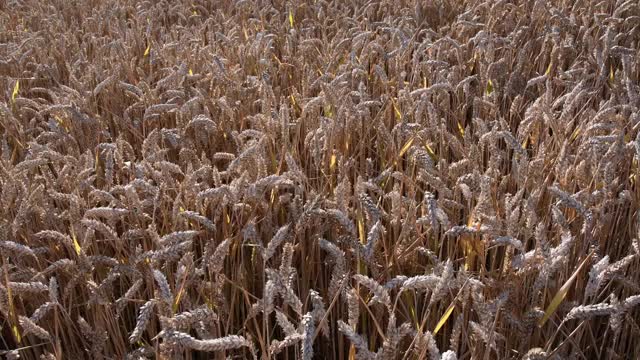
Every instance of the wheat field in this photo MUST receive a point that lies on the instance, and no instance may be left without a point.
(313, 179)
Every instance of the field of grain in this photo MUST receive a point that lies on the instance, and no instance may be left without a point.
(319, 179)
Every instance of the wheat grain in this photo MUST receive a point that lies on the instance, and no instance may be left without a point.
(146, 312)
